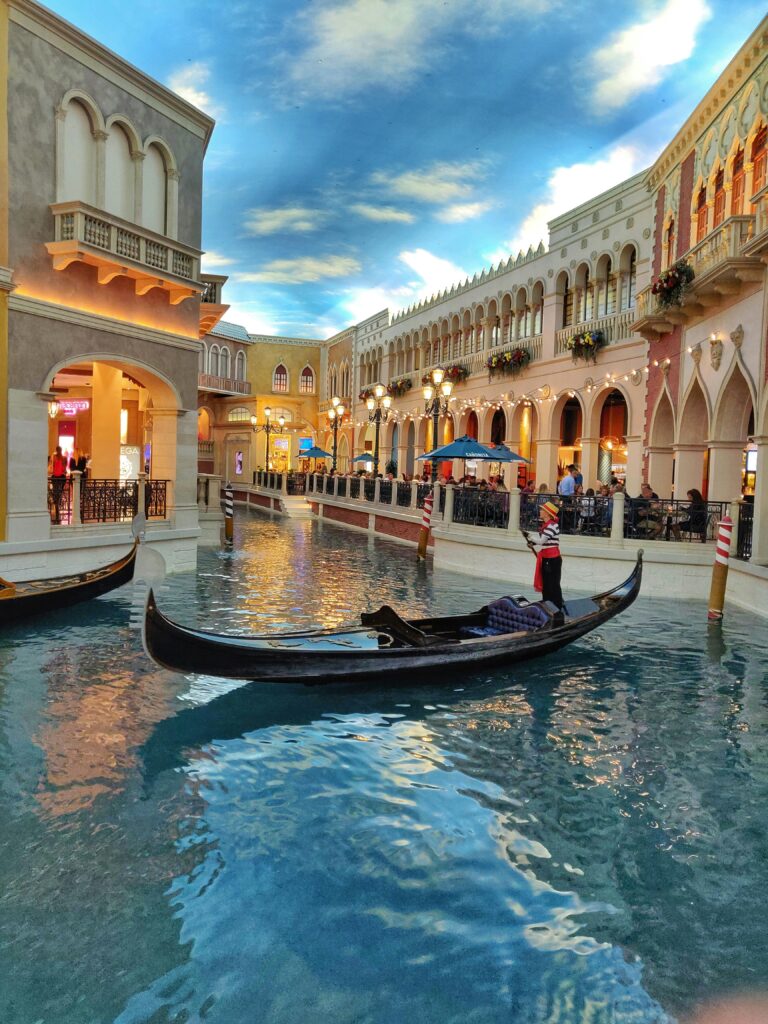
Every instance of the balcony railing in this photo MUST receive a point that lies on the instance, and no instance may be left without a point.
(616, 327)
(118, 248)
(224, 385)
(205, 449)
(104, 501)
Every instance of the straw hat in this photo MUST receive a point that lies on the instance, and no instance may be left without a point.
(549, 510)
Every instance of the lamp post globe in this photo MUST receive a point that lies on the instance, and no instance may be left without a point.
(437, 394)
(335, 415)
(379, 402)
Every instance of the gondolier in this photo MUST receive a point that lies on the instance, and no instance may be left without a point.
(549, 562)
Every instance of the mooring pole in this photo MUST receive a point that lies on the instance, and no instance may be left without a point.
(229, 513)
(720, 569)
(426, 519)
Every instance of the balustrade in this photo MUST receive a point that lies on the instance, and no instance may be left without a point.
(615, 328)
(105, 501)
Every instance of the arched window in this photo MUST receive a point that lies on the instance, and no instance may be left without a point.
(119, 174)
(701, 214)
(632, 279)
(307, 381)
(79, 172)
(224, 362)
(240, 366)
(759, 159)
(567, 305)
(670, 244)
(239, 414)
(280, 378)
(719, 199)
(213, 361)
(202, 359)
(737, 188)
(154, 197)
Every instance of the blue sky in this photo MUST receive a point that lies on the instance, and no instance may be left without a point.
(372, 152)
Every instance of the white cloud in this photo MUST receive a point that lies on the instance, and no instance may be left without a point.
(263, 221)
(255, 321)
(382, 213)
(569, 187)
(302, 270)
(212, 260)
(440, 183)
(188, 82)
(433, 273)
(352, 45)
(459, 212)
(637, 57)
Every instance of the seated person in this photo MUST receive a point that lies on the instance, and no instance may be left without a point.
(647, 513)
(697, 516)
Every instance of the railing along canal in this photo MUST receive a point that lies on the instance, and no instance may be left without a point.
(744, 534)
(85, 500)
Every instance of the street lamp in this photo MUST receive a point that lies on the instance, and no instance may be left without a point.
(335, 415)
(436, 395)
(268, 428)
(378, 403)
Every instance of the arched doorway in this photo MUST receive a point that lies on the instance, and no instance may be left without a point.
(571, 430)
(734, 423)
(612, 452)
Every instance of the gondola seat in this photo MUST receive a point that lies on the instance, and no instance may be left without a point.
(506, 616)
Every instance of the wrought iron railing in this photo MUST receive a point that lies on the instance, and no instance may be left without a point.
(673, 520)
(385, 492)
(106, 501)
(328, 481)
(369, 489)
(404, 491)
(474, 506)
(342, 491)
(744, 534)
(354, 487)
(297, 483)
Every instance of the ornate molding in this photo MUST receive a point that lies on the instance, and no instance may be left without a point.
(737, 337)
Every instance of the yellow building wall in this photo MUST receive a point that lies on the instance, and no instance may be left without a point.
(4, 263)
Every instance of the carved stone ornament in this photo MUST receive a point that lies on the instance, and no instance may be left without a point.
(696, 353)
(737, 337)
(664, 367)
(647, 233)
(715, 352)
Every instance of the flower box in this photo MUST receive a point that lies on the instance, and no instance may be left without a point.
(510, 362)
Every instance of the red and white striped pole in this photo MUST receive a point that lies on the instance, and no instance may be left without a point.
(426, 519)
(720, 569)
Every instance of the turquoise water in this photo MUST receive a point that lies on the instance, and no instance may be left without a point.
(582, 839)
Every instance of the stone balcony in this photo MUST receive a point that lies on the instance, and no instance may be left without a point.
(222, 385)
(724, 263)
(118, 248)
(616, 327)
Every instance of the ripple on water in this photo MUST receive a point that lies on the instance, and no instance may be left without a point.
(574, 840)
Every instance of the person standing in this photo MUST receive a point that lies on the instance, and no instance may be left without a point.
(58, 480)
(549, 563)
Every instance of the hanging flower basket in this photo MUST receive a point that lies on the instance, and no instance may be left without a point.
(509, 363)
(585, 345)
(672, 284)
(455, 373)
(367, 393)
(400, 387)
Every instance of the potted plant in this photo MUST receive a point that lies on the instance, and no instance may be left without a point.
(510, 362)
(585, 345)
(671, 284)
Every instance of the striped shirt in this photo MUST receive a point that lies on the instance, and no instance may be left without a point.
(549, 536)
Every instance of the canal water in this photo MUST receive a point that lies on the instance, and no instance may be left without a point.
(579, 839)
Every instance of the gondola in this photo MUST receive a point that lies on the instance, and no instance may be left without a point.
(35, 597)
(503, 632)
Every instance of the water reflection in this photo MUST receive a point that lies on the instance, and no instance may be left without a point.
(575, 839)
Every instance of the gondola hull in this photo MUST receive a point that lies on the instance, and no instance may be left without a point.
(385, 645)
(38, 597)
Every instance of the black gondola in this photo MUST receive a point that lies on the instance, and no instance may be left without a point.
(35, 597)
(504, 632)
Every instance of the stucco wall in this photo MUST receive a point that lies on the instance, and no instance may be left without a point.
(39, 76)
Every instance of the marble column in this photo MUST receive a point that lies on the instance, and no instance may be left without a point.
(106, 403)
(760, 520)
(689, 468)
(725, 461)
(634, 463)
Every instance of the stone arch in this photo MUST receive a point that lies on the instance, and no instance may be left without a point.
(733, 408)
(205, 421)
(662, 427)
(695, 414)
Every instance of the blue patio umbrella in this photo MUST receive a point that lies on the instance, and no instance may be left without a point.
(503, 454)
(315, 453)
(465, 447)
(365, 457)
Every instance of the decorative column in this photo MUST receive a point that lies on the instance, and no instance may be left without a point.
(546, 462)
(513, 526)
(634, 463)
(76, 492)
(172, 203)
(661, 463)
(760, 520)
(617, 518)
(138, 187)
(448, 510)
(106, 403)
(100, 138)
(724, 470)
(589, 461)
(689, 468)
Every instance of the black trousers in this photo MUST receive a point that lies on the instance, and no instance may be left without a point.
(551, 570)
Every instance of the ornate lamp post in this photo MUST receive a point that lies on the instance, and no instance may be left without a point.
(436, 397)
(378, 412)
(335, 415)
(268, 428)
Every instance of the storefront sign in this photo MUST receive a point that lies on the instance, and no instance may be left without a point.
(70, 406)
